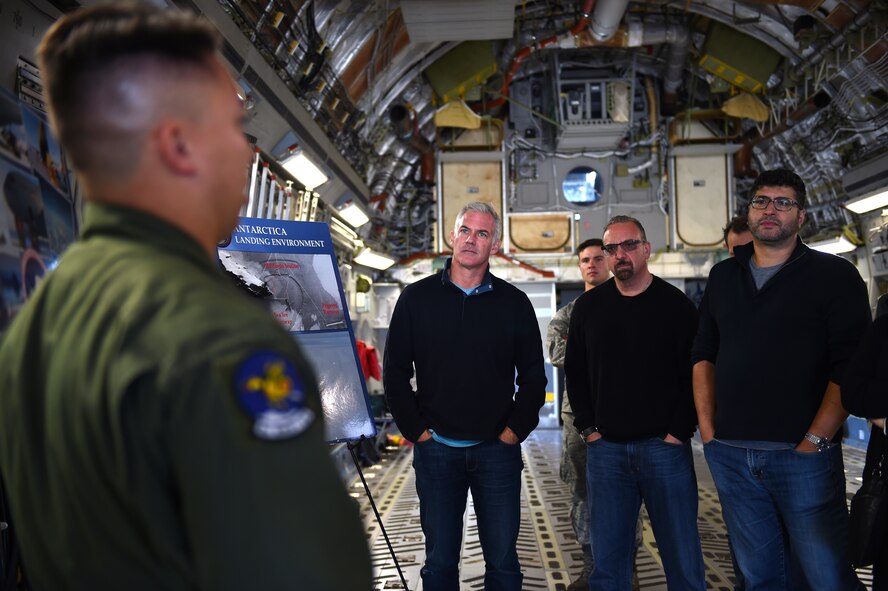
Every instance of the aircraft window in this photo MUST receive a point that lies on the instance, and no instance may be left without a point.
(582, 186)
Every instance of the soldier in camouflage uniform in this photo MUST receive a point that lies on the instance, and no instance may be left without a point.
(573, 451)
(593, 269)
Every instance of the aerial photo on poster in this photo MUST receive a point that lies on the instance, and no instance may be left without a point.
(304, 295)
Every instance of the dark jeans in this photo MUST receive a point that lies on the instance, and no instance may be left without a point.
(444, 475)
(776, 500)
(621, 475)
(877, 445)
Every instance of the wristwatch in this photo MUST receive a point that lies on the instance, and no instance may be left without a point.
(588, 431)
(821, 443)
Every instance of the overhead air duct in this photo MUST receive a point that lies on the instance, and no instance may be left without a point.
(406, 129)
(743, 158)
(838, 40)
(679, 40)
(606, 18)
(639, 33)
(527, 51)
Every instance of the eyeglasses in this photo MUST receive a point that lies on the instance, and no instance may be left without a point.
(627, 246)
(780, 203)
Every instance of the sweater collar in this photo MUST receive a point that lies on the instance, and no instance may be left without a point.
(486, 283)
(744, 253)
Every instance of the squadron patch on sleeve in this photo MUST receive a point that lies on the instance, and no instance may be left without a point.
(269, 390)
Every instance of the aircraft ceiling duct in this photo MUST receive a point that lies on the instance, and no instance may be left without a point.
(743, 158)
(638, 33)
(406, 126)
(679, 39)
(606, 18)
(838, 40)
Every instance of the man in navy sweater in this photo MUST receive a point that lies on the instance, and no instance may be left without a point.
(630, 388)
(469, 338)
(778, 324)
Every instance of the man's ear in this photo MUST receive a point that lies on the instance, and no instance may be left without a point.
(174, 147)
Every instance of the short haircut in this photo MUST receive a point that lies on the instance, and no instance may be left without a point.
(93, 62)
(590, 242)
(479, 207)
(781, 177)
(625, 219)
(737, 225)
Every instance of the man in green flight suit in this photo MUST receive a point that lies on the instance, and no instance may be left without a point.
(160, 430)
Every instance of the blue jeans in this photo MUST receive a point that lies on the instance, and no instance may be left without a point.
(444, 475)
(777, 501)
(618, 477)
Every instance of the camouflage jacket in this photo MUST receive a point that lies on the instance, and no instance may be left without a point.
(556, 343)
(556, 335)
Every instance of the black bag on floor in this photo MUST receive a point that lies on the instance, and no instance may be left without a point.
(869, 517)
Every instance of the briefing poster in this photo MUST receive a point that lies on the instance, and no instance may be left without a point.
(292, 267)
(37, 220)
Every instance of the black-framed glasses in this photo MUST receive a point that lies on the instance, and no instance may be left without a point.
(780, 203)
(627, 246)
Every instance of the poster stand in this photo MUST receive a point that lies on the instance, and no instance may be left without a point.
(292, 266)
(352, 445)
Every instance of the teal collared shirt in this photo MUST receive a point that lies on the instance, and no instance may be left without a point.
(485, 285)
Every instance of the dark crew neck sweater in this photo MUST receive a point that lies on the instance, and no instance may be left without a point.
(628, 362)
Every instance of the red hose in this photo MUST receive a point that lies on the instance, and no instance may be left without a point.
(525, 52)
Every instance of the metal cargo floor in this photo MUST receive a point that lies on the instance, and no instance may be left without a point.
(549, 555)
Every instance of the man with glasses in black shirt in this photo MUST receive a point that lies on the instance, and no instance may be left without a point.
(630, 389)
(778, 324)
